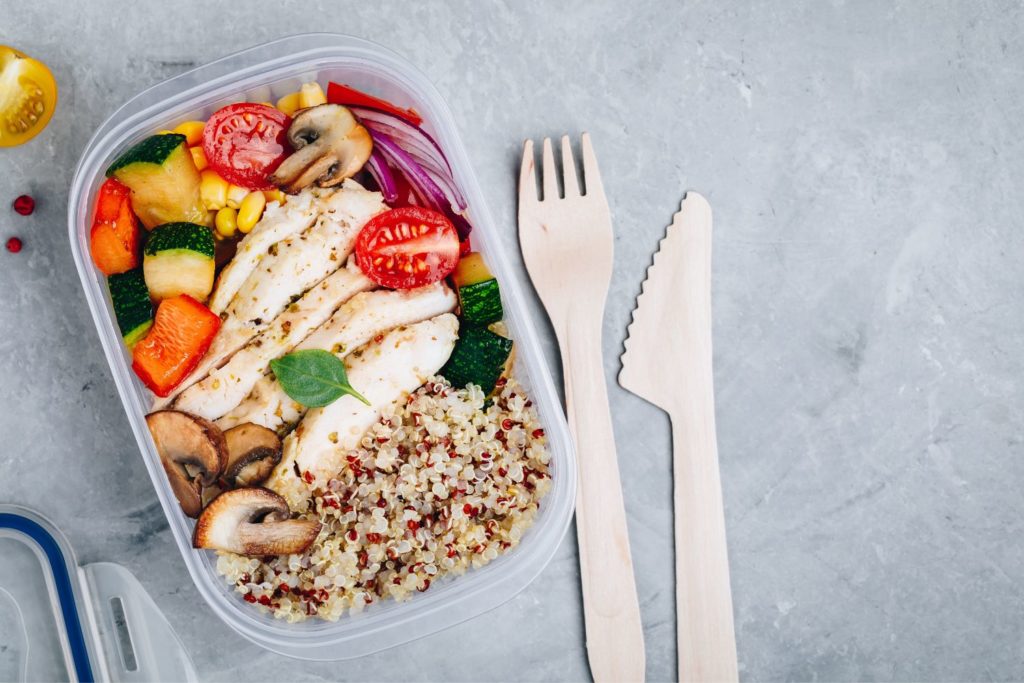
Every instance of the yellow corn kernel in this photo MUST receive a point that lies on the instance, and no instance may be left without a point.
(251, 210)
(265, 104)
(236, 193)
(226, 222)
(213, 190)
(275, 196)
(311, 95)
(199, 157)
(192, 130)
(289, 104)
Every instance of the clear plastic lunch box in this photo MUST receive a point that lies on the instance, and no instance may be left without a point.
(62, 622)
(265, 73)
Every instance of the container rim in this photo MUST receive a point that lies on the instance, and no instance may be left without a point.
(482, 588)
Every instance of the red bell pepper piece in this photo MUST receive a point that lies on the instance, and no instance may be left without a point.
(114, 238)
(182, 331)
(345, 95)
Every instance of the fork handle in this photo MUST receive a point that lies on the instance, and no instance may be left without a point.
(615, 644)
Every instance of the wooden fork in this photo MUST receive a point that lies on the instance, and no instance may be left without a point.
(567, 247)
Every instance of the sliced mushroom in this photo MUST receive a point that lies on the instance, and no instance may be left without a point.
(253, 522)
(193, 452)
(209, 493)
(330, 145)
(253, 452)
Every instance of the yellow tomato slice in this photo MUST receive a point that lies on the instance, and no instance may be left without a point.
(28, 96)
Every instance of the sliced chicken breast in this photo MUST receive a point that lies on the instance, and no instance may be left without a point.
(364, 317)
(297, 263)
(225, 387)
(291, 266)
(384, 372)
(278, 223)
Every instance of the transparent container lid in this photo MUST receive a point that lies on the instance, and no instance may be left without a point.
(62, 622)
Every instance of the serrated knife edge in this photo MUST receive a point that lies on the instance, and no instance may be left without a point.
(692, 201)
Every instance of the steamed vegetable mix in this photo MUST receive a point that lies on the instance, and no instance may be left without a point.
(201, 187)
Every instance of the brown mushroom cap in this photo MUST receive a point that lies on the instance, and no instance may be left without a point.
(253, 452)
(192, 451)
(253, 522)
(330, 145)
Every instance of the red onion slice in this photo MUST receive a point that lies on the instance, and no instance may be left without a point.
(381, 173)
(418, 144)
(401, 129)
(421, 182)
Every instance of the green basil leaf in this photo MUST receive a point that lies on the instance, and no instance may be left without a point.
(314, 378)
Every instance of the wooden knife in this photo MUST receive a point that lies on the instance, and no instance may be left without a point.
(668, 362)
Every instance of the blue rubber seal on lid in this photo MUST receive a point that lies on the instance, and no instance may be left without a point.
(62, 583)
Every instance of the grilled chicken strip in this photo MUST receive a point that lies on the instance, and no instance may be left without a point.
(292, 266)
(225, 387)
(278, 223)
(362, 318)
(385, 372)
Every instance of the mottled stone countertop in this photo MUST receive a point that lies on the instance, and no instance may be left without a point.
(864, 161)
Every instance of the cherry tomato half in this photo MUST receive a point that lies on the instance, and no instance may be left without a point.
(28, 96)
(408, 247)
(245, 143)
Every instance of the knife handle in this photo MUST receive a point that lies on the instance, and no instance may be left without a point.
(706, 637)
(615, 643)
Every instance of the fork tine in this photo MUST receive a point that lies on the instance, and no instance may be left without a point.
(569, 181)
(591, 175)
(548, 175)
(527, 177)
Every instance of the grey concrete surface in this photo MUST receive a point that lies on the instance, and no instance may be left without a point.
(864, 163)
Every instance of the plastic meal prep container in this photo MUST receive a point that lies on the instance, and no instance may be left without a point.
(265, 73)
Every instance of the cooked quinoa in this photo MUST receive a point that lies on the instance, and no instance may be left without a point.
(445, 482)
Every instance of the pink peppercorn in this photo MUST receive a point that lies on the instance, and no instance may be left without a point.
(14, 245)
(24, 205)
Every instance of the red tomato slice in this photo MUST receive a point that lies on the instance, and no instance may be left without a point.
(408, 247)
(343, 94)
(245, 143)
